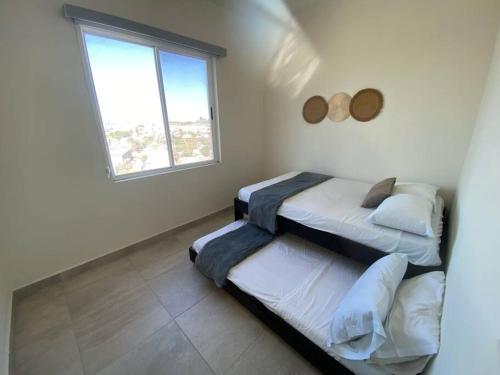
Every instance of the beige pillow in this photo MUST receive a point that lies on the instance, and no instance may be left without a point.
(378, 193)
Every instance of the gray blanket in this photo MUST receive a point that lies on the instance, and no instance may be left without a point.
(264, 203)
(219, 255)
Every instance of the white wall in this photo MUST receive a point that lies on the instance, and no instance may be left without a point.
(470, 337)
(429, 58)
(58, 207)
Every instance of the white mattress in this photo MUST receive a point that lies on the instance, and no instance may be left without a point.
(276, 270)
(301, 282)
(334, 206)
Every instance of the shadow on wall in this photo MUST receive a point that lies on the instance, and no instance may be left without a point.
(293, 65)
(295, 60)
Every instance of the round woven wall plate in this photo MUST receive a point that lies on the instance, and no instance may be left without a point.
(366, 104)
(315, 109)
(338, 107)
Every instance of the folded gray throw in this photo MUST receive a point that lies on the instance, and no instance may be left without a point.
(264, 203)
(219, 255)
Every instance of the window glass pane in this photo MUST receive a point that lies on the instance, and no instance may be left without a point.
(186, 93)
(126, 85)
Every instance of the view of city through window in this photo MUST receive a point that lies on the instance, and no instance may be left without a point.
(186, 96)
(128, 95)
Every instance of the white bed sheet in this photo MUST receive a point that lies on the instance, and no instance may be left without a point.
(245, 192)
(303, 283)
(334, 206)
(269, 275)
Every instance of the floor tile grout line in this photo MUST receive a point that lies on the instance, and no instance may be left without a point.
(197, 303)
(161, 273)
(161, 301)
(140, 343)
(132, 266)
(245, 350)
(157, 297)
(173, 252)
(14, 349)
(134, 347)
(194, 346)
(65, 292)
(187, 336)
(126, 295)
(61, 278)
(93, 281)
(193, 305)
(174, 318)
(133, 269)
(73, 327)
(146, 282)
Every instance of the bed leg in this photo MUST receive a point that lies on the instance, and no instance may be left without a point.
(238, 213)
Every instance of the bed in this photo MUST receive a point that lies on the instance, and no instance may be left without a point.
(330, 214)
(288, 285)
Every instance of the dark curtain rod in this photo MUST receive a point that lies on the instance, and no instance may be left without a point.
(92, 16)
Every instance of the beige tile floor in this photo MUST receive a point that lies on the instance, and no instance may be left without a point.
(145, 312)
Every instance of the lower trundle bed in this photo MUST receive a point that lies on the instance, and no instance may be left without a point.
(294, 286)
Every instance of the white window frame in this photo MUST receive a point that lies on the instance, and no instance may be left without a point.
(157, 45)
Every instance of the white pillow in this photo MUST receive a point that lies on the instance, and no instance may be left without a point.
(407, 212)
(426, 191)
(412, 325)
(356, 330)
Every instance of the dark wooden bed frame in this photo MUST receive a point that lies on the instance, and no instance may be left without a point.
(362, 253)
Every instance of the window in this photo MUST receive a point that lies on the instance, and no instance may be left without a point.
(156, 103)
